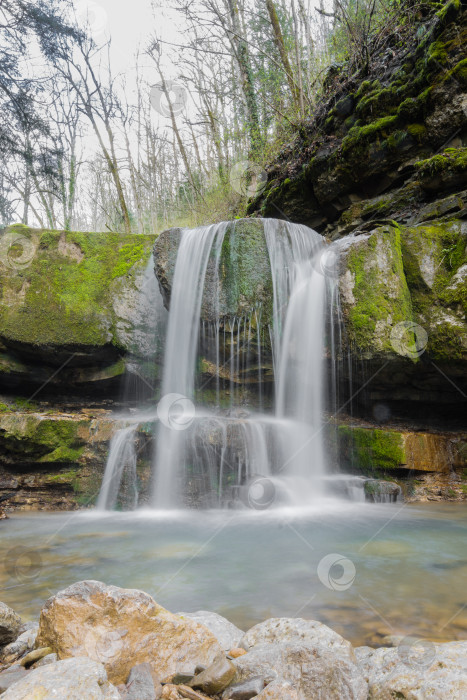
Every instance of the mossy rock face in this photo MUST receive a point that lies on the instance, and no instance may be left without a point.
(71, 298)
(242, 283)
(396, 277)
(435, 265)
(374, 292)
(444, 171)
(52, 460)
(34, 439)
(375, 452)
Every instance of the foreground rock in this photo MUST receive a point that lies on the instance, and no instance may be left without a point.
(73, 679)
(285, 629)
(22, 645)
(141, 685)
(226, 633)
(120, 628)
(10, 624)
(312, 672)
(216, 677)
(416, 670)
(278, 690)
(307, 655)
(119, 637)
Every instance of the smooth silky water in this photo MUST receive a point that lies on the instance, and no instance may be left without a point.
(410, 563)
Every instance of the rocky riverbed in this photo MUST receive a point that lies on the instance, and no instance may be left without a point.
(98, 641)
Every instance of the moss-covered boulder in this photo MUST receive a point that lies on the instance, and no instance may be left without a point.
(406, 285)
(31, 438)
(236, 284)
(374, 293)
(435, 267)
(71, 301)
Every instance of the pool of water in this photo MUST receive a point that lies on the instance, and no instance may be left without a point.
(366, 570)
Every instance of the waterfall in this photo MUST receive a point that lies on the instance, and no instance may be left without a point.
(122, 457)
(223, 458)
(180, 351)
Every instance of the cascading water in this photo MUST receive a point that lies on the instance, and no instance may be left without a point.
(180, 352)
(122, 458)
(213, 459)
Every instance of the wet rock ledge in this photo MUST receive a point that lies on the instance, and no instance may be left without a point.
(102, 642)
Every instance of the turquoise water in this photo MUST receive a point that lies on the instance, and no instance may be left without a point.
(398, 568)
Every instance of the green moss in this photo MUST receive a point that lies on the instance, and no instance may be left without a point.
(370, 451)
(358, 136)
(397, 139)
(377, 102)
(372, 264)
(459, 72)
(244, 270)
(451, 159)
(63, 477)
(365, 86)
(128, 255)
(41, 440)
(418, 131)
(64, 296)
(437, 250)
(437, 53)
(449, 12)
(409, 109)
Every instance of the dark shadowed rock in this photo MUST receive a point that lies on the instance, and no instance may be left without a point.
(216, 677)
(10, 624)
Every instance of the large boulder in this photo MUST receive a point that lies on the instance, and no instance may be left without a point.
(10, 624)
(241, 280)
(415, 670)
(74, 301)
(123, 627)
(297, 630)
(226, 633)
(403, 300)
(374, 292)
(312, 671)
(316, 661)
(73, 679)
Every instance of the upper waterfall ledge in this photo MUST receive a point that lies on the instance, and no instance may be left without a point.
(244, 279)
